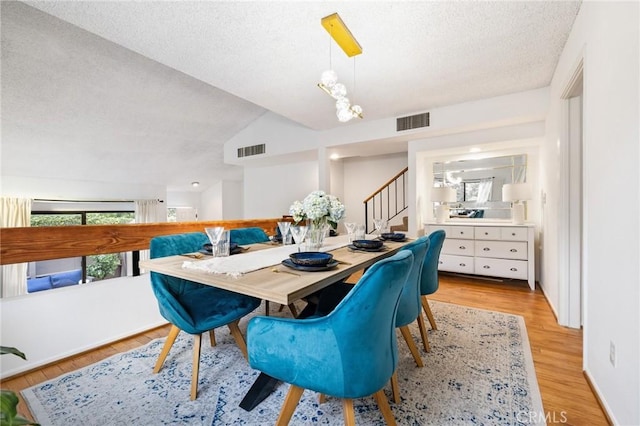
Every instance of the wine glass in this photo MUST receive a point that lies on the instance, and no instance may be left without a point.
(214, 234)
(351, 227)
(284, 230)
(380, 225)
(298, 233)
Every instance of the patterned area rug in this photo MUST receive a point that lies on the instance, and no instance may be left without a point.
(479, 371)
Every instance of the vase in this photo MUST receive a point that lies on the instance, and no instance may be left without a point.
(315, 234)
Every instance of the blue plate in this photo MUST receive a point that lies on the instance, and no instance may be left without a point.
(332, 264)
(311, 258)
(398, 236)
(352, 247)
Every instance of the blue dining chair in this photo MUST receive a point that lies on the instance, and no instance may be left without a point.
(429, 281)
(192, 307)
(242, 236)
(350, 353)
(409, 305)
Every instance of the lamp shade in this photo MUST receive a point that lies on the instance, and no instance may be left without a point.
(443, 194)
(516, 192)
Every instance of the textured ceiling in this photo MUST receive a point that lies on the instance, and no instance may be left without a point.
(416, 56)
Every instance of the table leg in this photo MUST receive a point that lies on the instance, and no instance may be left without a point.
(261, 388)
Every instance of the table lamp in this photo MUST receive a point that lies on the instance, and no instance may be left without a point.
(516, 193)
(443, 195)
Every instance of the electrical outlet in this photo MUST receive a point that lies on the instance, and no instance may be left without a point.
(612, 353)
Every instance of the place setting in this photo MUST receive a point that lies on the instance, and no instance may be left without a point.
(310, 261)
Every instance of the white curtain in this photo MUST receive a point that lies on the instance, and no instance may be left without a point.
(14, 212)
(484, 190)
(147, 211)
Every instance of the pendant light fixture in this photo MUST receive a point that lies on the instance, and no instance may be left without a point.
(329, 79)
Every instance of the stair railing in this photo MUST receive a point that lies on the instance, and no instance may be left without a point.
(388, 201)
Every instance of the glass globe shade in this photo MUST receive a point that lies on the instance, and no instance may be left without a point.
(342, 103)
(344, 115)
(339, 91)
(329, 78)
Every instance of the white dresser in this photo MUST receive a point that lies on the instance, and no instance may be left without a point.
(485, 248)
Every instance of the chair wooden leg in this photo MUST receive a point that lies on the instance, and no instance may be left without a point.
(383, 404)
(239, 338)
(197, 343)
(395, 389)
(293, 310)
(411, 344)
(322, 398)
(212, 338)
(427, 311)
(173, 333)
(423, 333)
(289, 406)
(348, 412)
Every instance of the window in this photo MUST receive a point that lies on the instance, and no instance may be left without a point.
(83, 269)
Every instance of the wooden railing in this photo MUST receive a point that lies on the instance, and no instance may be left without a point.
(57, 242)
(390, 198)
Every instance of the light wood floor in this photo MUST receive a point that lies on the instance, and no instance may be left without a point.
(557, 351)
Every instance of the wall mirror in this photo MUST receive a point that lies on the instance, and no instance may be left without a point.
(478, 184)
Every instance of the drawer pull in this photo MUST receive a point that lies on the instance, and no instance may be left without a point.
(463, 264)
(440, 262)
(462, 248)
(513, 250)
(514, 269)
(486, 266)
(513, 234)
(486, 233)
(486, 249)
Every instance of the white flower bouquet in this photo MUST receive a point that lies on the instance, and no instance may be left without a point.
(318, 207)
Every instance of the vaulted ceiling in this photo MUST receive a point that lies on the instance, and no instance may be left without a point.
(149, 92)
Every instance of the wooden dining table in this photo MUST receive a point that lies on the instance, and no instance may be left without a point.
(275, 283)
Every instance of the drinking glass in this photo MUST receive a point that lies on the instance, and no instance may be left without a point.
(380, 225)
(224, 245)
(284, 228)
(214, 235)
(351, 227)
(298, 233)
(358, 233)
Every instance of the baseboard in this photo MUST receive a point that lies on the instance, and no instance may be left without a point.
(601, 402)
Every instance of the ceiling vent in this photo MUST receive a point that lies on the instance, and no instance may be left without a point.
(248, 151)
(412, 122)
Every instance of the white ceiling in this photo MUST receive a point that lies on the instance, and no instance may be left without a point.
(202, 71)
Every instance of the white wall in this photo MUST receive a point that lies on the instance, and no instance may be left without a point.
(54, 324)
(232, 200)
(269, 191)
(184, 199)
(606, 35)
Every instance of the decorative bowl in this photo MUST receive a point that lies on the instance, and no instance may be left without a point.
(311, 258)
(367, 244)
(397, 236)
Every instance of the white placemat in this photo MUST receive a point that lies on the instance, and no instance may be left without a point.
(246, 262)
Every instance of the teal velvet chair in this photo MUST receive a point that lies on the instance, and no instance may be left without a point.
(350, 353)
(242, 236)
(192, 307)
(429, 279)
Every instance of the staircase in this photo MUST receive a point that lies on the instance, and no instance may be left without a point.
(388, 201)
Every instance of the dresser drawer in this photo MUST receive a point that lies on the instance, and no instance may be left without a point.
(461, 232)
(461, 264)
(501, 249)
(516, 269)
(458, 247)
(513, 234)
(487, 233)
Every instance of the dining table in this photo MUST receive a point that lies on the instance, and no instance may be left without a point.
(260, 270)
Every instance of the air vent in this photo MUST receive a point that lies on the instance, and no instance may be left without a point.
(412, 122)
(248, 151)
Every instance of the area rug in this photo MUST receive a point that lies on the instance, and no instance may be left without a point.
(479, 371)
